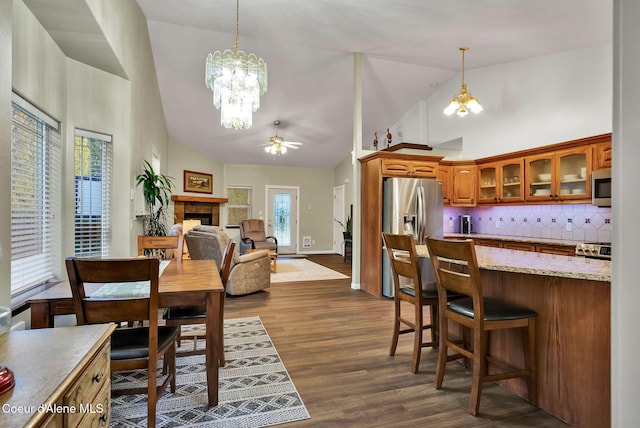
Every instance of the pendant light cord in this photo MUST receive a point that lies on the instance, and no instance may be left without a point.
(463, 48)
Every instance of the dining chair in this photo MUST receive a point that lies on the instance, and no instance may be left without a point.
(131, 348)
(407, 278)
(158, 246)
(482, 315)
(188, 315)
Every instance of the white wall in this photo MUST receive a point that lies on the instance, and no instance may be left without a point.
(182, 157)
(98, 101)
(529, 103)
(316, 196)
(82, 96)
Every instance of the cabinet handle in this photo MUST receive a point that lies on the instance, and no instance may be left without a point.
(97, 377)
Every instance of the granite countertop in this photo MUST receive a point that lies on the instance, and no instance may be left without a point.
(529, 240)
(501, 259)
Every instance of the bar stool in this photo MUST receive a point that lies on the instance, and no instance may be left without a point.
(403, 258)
(480, 314)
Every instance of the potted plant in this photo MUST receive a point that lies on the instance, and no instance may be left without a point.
(157, 194)
(346, 234)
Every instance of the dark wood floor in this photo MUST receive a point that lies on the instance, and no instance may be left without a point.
(334, 342)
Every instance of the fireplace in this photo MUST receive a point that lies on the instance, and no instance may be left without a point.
(205, 219)
(207, 210)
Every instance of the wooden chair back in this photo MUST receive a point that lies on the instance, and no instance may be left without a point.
(403, 258)
(227, 261)
(92, 311)
(456, 269)
(155, 243)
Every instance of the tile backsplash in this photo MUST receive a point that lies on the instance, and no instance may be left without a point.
(573, 222)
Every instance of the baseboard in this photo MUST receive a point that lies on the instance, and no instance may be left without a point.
(320, 252)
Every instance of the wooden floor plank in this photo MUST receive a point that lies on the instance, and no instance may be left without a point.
(335, 341)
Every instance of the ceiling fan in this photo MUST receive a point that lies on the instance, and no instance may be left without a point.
(277, 145)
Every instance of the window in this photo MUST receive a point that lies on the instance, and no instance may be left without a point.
(239, 205)
(35, 184)
(92, 171)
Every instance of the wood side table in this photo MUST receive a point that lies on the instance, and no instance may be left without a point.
(272, 255)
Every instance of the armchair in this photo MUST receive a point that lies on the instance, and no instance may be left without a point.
(249, 272)
(253, 236)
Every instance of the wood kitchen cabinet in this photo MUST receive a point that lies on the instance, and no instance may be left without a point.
(464, 185)
(520, 246)
(485, 242)
(602, 156)
(65, 367)
(444, 175)
(510, 244)
(559, 176)
(398, 167)
(374, 169)
(560, 250)
(502, 181)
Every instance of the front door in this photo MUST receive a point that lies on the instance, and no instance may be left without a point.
(282, 217)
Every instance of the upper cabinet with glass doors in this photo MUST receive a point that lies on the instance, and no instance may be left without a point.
(559, 176)
(501, 181)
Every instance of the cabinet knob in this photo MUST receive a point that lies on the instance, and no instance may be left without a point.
(103, 418)
(97, 377)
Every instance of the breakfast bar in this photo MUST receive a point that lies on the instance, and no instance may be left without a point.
(572, 298)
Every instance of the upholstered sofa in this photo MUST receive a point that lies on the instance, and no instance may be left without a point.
(249, 273)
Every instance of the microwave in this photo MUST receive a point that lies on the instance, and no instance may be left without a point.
(601, 188)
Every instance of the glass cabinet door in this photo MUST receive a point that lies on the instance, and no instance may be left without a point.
(539, 177)
(512, 176)
(573, 174)
(488, 184)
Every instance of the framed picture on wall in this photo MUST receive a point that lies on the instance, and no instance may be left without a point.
(199, 182)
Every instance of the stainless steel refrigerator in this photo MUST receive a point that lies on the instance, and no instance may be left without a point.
(411, 206)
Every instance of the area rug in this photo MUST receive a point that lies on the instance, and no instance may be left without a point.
(297, 270)
(255, 389)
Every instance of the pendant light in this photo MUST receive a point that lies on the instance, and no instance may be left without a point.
(463, 101)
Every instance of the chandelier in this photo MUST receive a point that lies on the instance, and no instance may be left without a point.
(237, 81)
(463, 101)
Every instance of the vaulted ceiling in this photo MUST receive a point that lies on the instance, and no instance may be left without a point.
(409, 47)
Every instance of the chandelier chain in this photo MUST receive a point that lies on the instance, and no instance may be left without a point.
(235, 46)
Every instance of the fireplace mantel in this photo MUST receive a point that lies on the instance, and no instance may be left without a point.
(185, 206)
(187, 198)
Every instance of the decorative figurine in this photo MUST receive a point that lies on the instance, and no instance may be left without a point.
(388, 138)
(375, 141)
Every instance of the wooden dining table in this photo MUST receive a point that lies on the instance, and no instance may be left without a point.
(182, 283)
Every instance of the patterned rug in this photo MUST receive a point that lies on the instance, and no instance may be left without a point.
(297, 270)
(255, 388)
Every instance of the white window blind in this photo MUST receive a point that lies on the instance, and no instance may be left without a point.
(93, 175)
(35, 184)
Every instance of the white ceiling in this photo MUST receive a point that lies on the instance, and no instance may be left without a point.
(410, 47)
